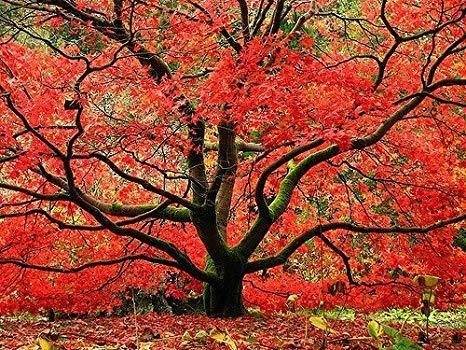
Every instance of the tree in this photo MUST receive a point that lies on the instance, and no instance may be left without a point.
(162, 132)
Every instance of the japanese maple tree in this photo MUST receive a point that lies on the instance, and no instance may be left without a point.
(219, 138)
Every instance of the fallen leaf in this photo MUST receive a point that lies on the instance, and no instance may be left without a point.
(224, 338)
(201, 335)
(186, 337)
(44, 344)
(375, 329)
(321, 323)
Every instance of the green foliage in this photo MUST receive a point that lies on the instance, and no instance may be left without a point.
(78, 36)
(17, 16)
(374, 329)
(403, 343)
(322, 204)
(321, 42)
(453, 319)
(349, 176)
(447, 319)
(339, 313)
(288, 24)
(386, 208)
(61, 36)
(460, 239)
(174, 65)
(348, 7)
(352, 177)
(400, 160)
(397, 340)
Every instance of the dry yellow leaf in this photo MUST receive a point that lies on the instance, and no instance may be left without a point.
(224, 338)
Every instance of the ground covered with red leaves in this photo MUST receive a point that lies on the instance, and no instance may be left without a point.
(152, 331)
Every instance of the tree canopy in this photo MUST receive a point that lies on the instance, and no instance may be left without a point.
(224, 139)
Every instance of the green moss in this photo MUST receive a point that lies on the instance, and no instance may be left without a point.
(116, 207)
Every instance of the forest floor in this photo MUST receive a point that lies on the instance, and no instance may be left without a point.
(278, 331)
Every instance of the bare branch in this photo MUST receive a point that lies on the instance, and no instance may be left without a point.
(94, 264)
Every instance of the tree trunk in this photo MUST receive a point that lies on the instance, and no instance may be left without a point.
(225, 299)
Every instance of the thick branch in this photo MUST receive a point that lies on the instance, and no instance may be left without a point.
(278, 206)
(297, 242)
(124, 210)
(9, 158)
(196, 162)
(181, 258)
(277, 17)
(116, 31)
(224, 182)
(205, 218)
(260, 17)
(259, 192)
(244, 19)
(262, 224)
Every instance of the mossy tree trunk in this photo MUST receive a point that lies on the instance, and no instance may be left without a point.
(225, 299)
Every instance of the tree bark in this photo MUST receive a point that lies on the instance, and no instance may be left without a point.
(225, 298)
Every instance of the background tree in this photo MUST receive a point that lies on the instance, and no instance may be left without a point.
(141, 135)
